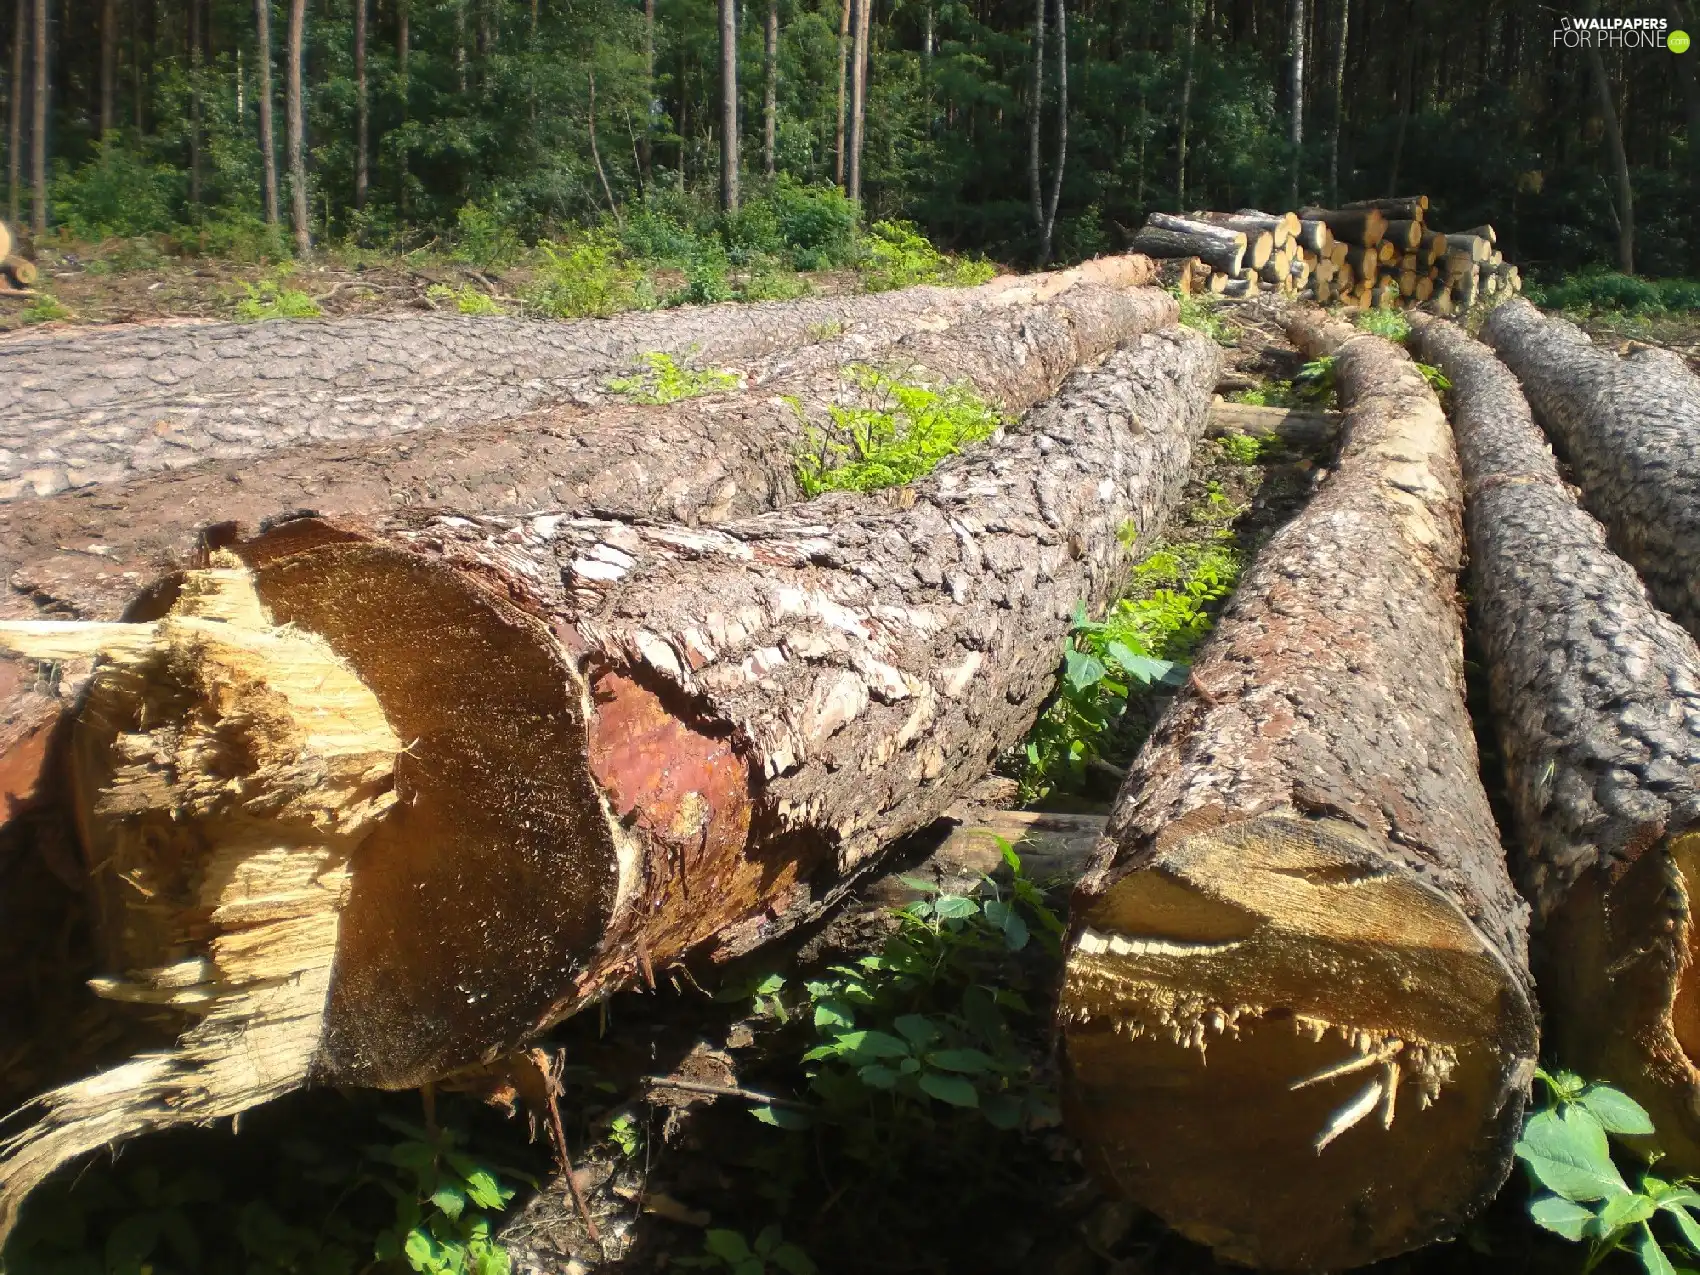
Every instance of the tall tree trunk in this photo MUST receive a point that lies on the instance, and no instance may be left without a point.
(1296, 95)
(362, 110)
(1035, 119)
(460, 44)
(1407, 87)
(648, 90)
(268, 142)
(295, 127)
(1625, 210)
(38, 124)
(403, 46)
(729, 105)
(770, 96)
(1689, 79)
(844, 10)
(859, 95)
(596, 151)
(15, 110)
(1339, 115)
(138, 73)
(108, 66)
(684, 114)
(1186, 104)
(1050, 222)
(195, 108)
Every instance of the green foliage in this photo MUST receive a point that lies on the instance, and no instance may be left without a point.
(1388, 323)
(815, 224)
(909, 431)
(724, 1250)
(1271, 394)
(1144, 641)
(920, 1032)
(664, 381)
(1608, 291)
(126, 256)
(1242, 449)
(768, 282)
(1581, 1193)
(1314, 384)
(625, 1133)
(1201, 313)
(485, 238)
(467, 299)
(116, 193)
(446, 1204)
(900, 256)
(44, 309)
(585, 277)
(235, 236)
(270, 299)
(1436, 379)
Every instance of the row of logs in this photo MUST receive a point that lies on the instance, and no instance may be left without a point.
(1379, 253)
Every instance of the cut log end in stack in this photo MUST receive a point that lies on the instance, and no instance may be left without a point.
(1377, 253)
(16, 273)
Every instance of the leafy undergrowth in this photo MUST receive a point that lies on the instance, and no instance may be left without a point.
(900, 435)
(662, 380)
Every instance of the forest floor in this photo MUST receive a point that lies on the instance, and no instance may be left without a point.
(771, 1147)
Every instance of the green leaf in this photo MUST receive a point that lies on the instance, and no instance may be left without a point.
(782, 1117)
(768, 1240)
(792, 1260)
(1653, 1259)
(871, 1044)
(1567, 1152)
(916, 883)
(1616, 1111)
(954, 1090)
(1561, 1216)
(1010, 857)
(878, 1076)
(485, 1191)
(1684, 1222)
(1624, 1211)
(969, 1061)
(420, 1249)
(132, 1241)
(834, 1013)
(950, 907)
(1002, 1111)
(917, 1029)
(728, 1246)
(451, 1200)
(1082, 671)
(1015, 932)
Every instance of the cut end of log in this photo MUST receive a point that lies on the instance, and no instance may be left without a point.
(1267, 1022)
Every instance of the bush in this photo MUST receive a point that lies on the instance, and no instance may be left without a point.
(914, 428)
(900, 256)
(769, 282)
(116, 194)
(484, 238)
(269, 299)
(585, 277)
(1602, 291)
(236, 236)
(816, 224)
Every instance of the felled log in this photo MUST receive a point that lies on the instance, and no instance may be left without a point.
(1596, 696)
(100, 406)
(1630, 429)
(1167, 236)
(1187, 274)
(1286, 225)
(1259, 230)
(1406, 207)
(1301, 428)
(1316, 235)
(1478, 248)
(1296, 1008)
(1482, 232)
(603, 744)
(1405, 235)
(1361, 226)
(700, 460)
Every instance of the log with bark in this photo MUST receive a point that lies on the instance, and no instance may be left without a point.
(1596, 699)
(1405, 235)
(1630, 430)
(1264, 233)
(1316, 236)
(89, 407)
(1407, 207)
(1477, 247)
(1296, 1011)
(401, 792)
(1164, 235)
(1363, 226)
(88, 554)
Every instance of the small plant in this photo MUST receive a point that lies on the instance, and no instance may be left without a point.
(445, 1205)
(1436, 379)
(729, 1251)
(1315, 382)
(1200, 314)
(1242, 449)
(664, 381)
(626, 1133)
(484, 239)
(1566, 1146)
(1387, 323)
(269, 299)
(1271, 394)
(44, 309)
(902, 439)
(467, 299)
(900, 256)
(583, 278)
(770, 283)
(1594, 292)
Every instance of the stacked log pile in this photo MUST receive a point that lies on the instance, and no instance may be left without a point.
(17, 274)
(1378, 252)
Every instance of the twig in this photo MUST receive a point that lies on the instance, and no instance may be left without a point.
(722, 1091)
(550, 1071)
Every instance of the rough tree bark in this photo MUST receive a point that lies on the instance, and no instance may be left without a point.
(15, 112)
(644, 142)
(108, 66)
(844, 9)
(1036, 119)
(1339, 115)
(1186, 104)
(362, 107)
(1596, 696)
(619, 744)
(1048, 224)
(403, 44)
(92, 407)
(1223, 247)
(1630, 429)
(770, 89)
(268, 142)
(693, 461)
(195, 108)
(859, 96)
(1300, 924)
(1625, 210)
(38, 124)
(729, 105)
(295, 127)
(1296, 94)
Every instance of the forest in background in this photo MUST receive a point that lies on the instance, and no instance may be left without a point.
(1022, 131)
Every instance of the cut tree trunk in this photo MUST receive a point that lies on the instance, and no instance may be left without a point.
(1476, 247)
(698, 460)
(612, 744)
(1164, 235)
(1596, 696)
(1296, 1009)
(150, 398)
(1361, 226)
(1406, 236)
(1263, 233)
(1316, 236)
(1406, 208)
(1630, 429)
